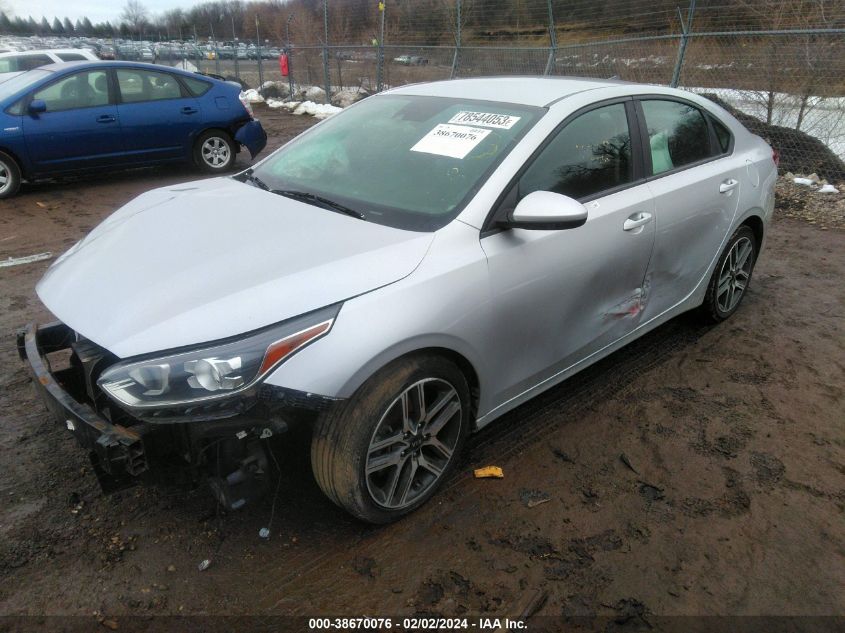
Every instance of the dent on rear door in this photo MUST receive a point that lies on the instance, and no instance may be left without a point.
(693, 221)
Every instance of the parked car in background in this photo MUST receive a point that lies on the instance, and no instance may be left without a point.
(15, 63)
(91, 116)
(397, 277)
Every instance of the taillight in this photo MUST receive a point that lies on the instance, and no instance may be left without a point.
(247, 105)
(776, 157)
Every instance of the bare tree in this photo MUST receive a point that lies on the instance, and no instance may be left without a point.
(135, 15)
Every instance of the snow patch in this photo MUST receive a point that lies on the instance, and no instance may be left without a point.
(828, 189)
(252, 96)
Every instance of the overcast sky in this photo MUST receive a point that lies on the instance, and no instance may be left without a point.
(97, 11)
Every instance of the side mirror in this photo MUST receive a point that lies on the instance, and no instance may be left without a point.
(547, 211)
(37, 106)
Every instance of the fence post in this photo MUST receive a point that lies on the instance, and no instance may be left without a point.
(380, 61)
(326, 78)
(290, 56)
(457, 55)
(550, 64)
(258, 52)
(682, 48)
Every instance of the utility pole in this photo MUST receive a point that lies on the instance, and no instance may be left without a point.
(214, 48)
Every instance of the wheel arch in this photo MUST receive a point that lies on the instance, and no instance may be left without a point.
(461, 360)
(755, 223)
(22, 166)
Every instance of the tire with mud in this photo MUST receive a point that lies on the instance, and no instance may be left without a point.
(383, 453)
(731, 277)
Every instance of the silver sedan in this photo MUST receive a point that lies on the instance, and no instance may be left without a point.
(398, 276)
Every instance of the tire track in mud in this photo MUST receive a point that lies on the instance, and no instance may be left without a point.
(524, 427)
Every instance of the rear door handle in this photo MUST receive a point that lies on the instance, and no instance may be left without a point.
(636, 220)
(106, 118)
(728, 185)
(189, 110)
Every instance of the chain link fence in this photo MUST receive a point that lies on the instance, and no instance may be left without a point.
(778, 65)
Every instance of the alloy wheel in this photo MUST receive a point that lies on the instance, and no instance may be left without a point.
(5, 177)
(413, 443)
(734, 275)
(215, 152)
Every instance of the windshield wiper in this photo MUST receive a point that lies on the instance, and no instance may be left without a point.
(249, 176)
(313, 198)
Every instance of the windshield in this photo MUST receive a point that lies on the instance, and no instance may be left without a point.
(405, 161)
(14, 85)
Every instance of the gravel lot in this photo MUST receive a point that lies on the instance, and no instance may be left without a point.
(699, 471)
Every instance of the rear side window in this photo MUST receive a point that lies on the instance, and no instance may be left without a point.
(71, 57)
(22, 63)
(723, 135)
(591, 154)
(80, 90)
(146, 85)
(677, 134)
(196, 87)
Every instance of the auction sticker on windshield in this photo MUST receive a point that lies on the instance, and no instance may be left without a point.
(455, 141)
(485, 119)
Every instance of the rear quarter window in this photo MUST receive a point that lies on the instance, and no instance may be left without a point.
(71, 57)
(197, 87)
(723, 136)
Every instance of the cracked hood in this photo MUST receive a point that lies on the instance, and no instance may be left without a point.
(212, 259)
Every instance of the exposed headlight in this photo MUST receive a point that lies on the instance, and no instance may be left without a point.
(212, 372)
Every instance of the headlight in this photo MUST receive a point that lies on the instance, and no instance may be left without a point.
(212, 372)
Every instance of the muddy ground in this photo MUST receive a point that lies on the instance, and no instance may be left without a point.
(699, 471)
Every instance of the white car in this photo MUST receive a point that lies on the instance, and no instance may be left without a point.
(15, 63)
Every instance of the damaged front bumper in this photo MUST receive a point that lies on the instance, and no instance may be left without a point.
(230, 454)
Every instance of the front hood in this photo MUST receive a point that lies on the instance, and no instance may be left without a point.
(212, 259)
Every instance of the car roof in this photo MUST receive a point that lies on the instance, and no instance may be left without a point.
(60, 66)
(46, 50)
(530, 91)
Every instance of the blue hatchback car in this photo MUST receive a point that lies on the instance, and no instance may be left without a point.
(75, 117)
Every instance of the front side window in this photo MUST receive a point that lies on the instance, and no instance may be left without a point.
(677, 134)
(591, 154)
(406, 161)
(81, 90)
(145, 85)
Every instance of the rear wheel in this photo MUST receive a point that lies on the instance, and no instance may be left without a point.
(10, 176)
(387, 449)
(214, 151)
(731, 276)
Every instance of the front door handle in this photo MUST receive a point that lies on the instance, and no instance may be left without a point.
(189, 110)
(636, 220)
(106, 118)
(728, 185)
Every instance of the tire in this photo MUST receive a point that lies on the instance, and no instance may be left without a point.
(214, 151)
(10, 176)
(403, 470)
(732, 274)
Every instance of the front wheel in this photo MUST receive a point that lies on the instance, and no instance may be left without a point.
(214, 151)
(731, 276)
(386, 450)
